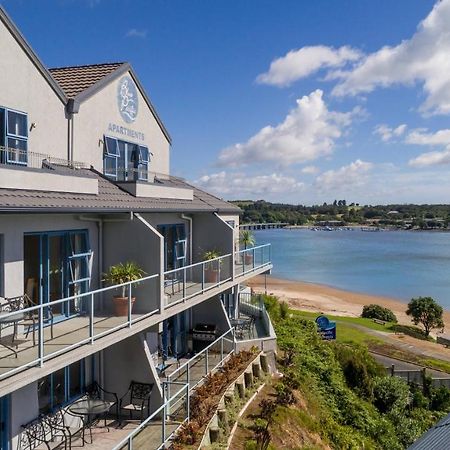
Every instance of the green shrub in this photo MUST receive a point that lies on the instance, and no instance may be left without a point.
(284, 310)
(391, 393)
(412, 331)
(440, 399)
(378, 312)
(359, 368)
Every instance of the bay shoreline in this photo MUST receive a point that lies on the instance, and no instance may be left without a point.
(330, 300)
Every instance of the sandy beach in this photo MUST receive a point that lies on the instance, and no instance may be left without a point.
(328, 300)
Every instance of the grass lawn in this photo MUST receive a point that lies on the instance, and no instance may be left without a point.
(346, 333)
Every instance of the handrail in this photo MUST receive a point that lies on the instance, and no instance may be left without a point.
(253, 248)
(77, 296)
(206, 261)
(128, 440)
(198, 354)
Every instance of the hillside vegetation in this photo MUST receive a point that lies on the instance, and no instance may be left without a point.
(405, 216)
(334, 395)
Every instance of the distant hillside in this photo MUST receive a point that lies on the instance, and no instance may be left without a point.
(405, 216)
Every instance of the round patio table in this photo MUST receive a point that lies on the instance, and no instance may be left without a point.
(89, 408)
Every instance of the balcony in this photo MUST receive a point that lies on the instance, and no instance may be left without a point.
(31, 336)
(49, 173)
(187, 282)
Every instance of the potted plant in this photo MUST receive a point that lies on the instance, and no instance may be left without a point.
(247, 239)
(211, 268)
(119, 274)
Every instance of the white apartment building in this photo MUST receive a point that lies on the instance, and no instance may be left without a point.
(85, 184)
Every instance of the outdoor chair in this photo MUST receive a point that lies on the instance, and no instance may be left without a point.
(56, 428)
(29, 319)
(33, 436)
(95, 391)
(139, 398)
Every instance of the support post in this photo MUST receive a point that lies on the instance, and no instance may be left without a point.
(129, 305)
(41, 336)
(91, 318)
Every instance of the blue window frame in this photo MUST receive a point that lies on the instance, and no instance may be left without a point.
(61, 387)
(125, 161)
(143, 161)
(5, 422)
(58, 265)
(13, 136)
(175, 243)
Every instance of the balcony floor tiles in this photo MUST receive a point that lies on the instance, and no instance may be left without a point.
(66, 333)
(147, 439)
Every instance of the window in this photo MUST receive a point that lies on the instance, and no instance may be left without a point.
(13, 136)
(4, 422)
(2, 266)
(175, 243)
(143, 160)
(125, 161)
(111, 157)
(61, 387)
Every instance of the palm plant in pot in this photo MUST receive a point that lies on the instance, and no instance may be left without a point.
(119, 274)
(211, 267)
(247, 239)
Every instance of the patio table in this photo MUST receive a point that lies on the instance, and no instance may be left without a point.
(7, 320)
(88, 409)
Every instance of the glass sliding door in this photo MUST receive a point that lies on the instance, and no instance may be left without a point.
(55, 277)
(175, 243)
(4, 422)
(57, 265)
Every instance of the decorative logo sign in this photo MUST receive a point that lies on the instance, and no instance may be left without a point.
(127, 99)
(326, 328)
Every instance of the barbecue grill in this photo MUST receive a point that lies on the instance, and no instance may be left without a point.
(202, 335)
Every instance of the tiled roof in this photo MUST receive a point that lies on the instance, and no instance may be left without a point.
(76, 79)
(111, 198)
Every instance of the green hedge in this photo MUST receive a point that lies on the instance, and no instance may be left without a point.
(378, 312)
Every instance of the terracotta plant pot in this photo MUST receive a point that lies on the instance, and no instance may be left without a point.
(121, 306)
(248, 259)
(211, 276)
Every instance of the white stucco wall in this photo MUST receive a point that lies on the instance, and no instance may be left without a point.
(13, 228)
(23, 88)
(93, 120)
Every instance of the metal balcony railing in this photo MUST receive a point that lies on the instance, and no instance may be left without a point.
(204, 362)
(188, 281)
(26, 158)
(163, 423)
(93, 320)
(250, 259)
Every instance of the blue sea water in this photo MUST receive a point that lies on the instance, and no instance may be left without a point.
(397, 264)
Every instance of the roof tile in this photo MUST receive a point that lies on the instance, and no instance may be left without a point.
(76, 79)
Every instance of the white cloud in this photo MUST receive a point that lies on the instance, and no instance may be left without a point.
(353, 175)
(135, 33)
(421, 59)
(239, 185)
(434, 158)
(431, 158)
(388, 133)
(309, 131)
(303, 62)
(422, 137)
(310, 170)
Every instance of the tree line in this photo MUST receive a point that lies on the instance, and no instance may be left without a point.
(401, 215)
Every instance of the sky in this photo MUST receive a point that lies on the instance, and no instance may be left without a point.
(283, 100)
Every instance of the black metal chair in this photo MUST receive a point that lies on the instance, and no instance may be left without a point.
(29, 319)
(139, 398)
(55, 428)
(95, 391)
(33, 435)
